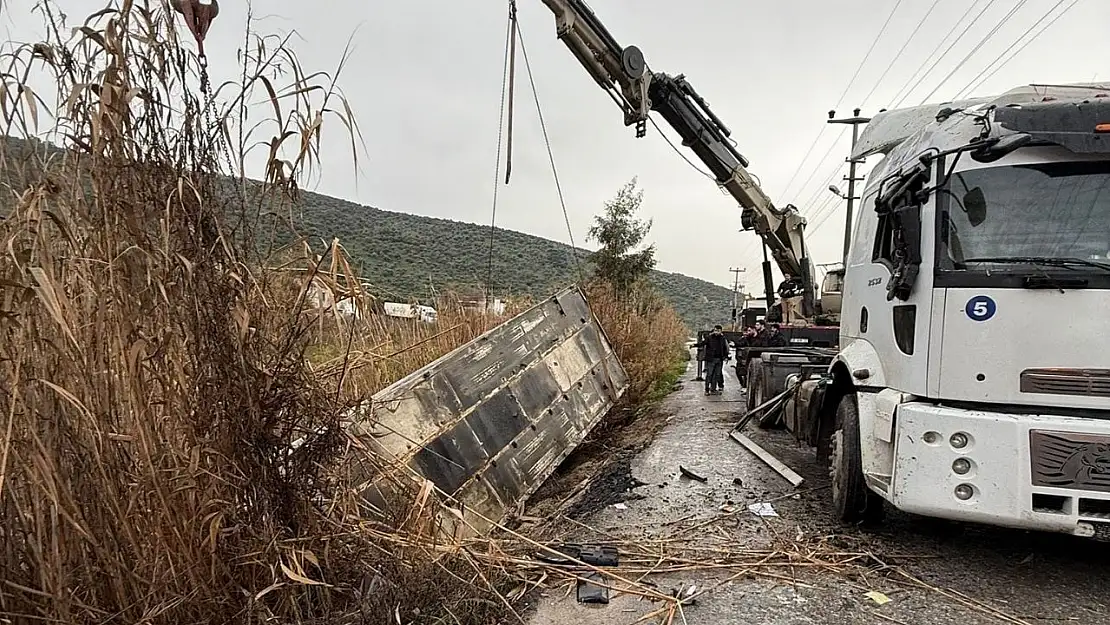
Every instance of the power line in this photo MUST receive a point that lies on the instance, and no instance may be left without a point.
(1023, 46)
(550, 154)
(813, 198)
(840, 100)
(874, 42)
(901, 50)
(505, 77)
(960, 93)
(937, 59)
(824, 208)
(824, 156)
(982, 41)
(825, 212)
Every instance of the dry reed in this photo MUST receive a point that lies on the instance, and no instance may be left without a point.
(152, 374)
(154, 367)
(647, 333)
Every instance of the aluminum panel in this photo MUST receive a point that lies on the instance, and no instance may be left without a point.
(489, 422)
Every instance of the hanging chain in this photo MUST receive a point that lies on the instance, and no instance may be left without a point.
(215, 141)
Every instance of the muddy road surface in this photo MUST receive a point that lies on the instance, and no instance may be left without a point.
(629, 491)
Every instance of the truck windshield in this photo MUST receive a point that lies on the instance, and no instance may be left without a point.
(1044, 211)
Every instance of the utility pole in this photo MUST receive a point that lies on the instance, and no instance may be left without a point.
(735, 291)
(856, 121)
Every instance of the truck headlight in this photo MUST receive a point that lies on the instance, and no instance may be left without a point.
(958, 440)
(964, 492)
(961, 466)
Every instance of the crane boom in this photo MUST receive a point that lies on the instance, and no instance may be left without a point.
(623, 73)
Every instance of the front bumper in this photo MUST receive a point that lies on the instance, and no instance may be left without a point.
(1039, 472)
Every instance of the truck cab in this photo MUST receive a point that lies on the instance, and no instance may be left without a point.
(973, 381)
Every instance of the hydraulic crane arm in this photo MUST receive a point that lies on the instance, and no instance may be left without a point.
(623, 73)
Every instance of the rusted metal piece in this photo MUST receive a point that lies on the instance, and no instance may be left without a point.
(489, 422)
(1070, 460)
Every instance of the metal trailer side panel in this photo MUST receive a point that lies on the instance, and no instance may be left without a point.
(487, 423)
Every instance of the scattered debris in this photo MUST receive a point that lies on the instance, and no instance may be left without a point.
(690, 474)
(738, 482)
(771, 461)
(690, 546)
(614, 483)
(620, 506)
(878, 597)
(599, 555)
(569, 554)
(590, 589)
(763, 509)
(686, 595)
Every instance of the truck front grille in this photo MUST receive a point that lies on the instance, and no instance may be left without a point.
(1085, 382)
(1070, 460)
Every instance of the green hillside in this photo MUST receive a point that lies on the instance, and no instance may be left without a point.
(404, 254)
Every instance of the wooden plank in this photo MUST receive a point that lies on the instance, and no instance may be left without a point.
(768, 459)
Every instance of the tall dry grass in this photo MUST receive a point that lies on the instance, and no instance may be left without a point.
(352, 345)
(155, 368)
(647, 334)
(153, 374)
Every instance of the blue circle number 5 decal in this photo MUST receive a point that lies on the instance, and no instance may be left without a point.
(980, 308)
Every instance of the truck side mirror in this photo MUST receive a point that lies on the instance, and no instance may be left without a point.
(975, 205)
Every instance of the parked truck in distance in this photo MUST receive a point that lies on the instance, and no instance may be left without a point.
(971, 381)
(426, 314)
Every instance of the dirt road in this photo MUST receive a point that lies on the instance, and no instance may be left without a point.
(927, 571)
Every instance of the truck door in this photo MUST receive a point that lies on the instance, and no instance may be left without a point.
(897, 328)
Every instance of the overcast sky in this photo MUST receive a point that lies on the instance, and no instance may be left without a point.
(425, 83)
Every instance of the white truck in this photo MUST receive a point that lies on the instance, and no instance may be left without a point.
(426, 314)
(971, 376)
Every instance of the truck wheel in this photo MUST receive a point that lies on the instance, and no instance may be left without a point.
(757, 395)
(853, 501)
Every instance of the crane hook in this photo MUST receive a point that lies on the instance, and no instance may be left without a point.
(198, 17)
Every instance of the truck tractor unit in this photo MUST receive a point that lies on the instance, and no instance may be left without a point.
(968, 378)
(972, 381)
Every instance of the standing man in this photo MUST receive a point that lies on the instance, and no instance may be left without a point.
(701, 354)
(775, 337)
(716, 352)
(747, 339)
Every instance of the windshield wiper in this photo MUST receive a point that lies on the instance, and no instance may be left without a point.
(1046, 261)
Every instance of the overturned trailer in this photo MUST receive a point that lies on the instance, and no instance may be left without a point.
(489, 422)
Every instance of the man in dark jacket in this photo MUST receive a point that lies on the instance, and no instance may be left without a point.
(747, 339)
(716, 353)
(775, 337)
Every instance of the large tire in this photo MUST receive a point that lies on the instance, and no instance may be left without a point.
(757, 395)
(853, 502)
(755, 372)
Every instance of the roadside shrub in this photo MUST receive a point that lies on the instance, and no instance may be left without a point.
(646, 332)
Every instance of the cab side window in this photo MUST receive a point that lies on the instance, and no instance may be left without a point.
(862, 245)
(883, 251)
